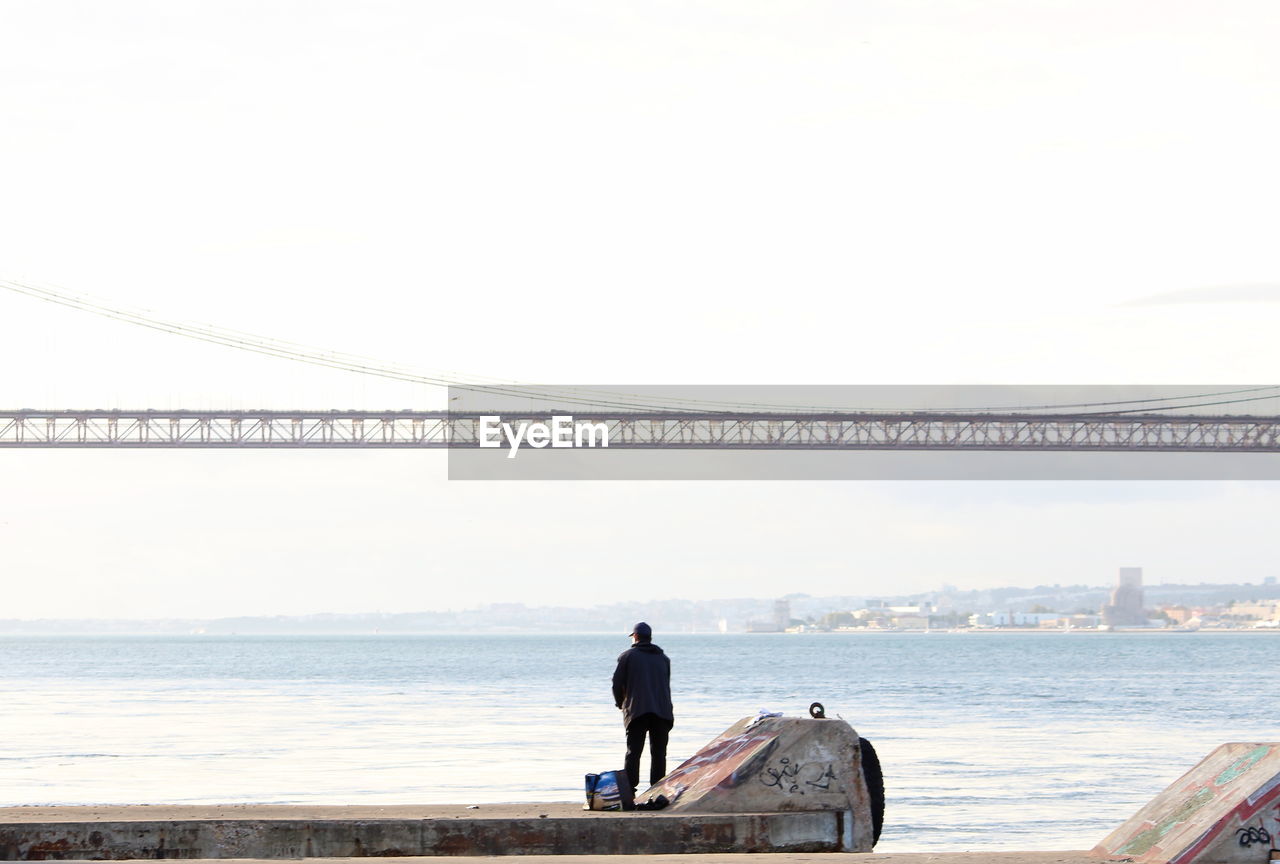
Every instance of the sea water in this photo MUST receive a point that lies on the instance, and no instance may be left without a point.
(988, 740)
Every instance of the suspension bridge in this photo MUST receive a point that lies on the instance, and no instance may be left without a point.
(629, 421)
(654, 430)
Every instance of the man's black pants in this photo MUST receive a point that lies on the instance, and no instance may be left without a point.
(657, 728)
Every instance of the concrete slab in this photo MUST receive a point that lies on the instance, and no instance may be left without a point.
(776, 764)
(180, 812)
(767, 858)
(324, 832)
(1225, 810)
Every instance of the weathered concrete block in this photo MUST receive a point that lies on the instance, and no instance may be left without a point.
(1225, 810)
(777, 764)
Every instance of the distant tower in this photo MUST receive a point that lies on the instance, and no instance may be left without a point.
(782, 614)
(1125, 608)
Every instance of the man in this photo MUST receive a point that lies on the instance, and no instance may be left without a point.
(642, 689)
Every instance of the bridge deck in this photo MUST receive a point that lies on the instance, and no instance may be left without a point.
(729, 431)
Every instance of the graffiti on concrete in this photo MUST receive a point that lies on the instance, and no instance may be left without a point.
(782, 776)
(1225, 802)
(792, 777)
(823, 783)
(715, 764)
(1248, 835)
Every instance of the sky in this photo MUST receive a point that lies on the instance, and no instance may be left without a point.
(1026, 192)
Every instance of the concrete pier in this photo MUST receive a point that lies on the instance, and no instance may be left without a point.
(768, 784)
(767, 858)
(273, 832)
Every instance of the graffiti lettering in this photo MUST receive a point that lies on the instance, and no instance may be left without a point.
(824, 779)
(1249, 835)
(783, 776)
(790, 777)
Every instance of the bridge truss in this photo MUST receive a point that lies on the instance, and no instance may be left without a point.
(646, 430)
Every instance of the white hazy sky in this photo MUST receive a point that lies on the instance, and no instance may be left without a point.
(933, 192)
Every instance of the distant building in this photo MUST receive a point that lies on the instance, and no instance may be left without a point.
(870, 618)
(1250, 612)
(1081, 621)
(911, 622)
(782, 614)
(1013, 619)
(1125, 608)
(918, 609)
(779, 623)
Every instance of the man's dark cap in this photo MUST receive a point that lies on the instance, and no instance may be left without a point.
(642, 631)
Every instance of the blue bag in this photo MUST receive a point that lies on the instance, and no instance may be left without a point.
(609, 791)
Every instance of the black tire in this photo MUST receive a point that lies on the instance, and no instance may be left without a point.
(875, 786)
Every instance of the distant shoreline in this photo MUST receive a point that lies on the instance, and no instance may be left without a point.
(860, 632)
(1139, 631)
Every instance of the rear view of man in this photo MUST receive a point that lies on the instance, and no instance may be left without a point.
(642, 689)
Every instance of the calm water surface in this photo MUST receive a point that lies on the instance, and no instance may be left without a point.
(989, 741)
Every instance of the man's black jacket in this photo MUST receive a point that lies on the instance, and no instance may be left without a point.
(642, 682)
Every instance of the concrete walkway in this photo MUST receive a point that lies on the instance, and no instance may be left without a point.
(222, 812)
(752, 858)
(527, 814)
(276, 832)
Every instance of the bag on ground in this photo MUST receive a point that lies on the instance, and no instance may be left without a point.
(608, 791)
